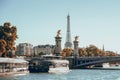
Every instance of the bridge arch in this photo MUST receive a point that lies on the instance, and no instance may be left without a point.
(82, 62)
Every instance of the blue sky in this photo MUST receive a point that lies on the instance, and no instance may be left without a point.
(94, 21)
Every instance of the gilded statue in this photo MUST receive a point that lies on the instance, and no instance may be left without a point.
(58, 33)
(76, 38)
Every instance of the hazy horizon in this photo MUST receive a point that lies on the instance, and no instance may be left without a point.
(94, 21)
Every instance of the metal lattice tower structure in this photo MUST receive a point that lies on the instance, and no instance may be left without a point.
(68, 43)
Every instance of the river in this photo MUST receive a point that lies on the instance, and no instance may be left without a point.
(72, 75)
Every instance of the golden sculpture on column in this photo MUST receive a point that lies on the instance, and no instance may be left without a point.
(58, 33)
(76, 38)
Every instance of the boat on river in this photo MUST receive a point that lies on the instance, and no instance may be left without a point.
(50, 64)
(59, 66)
(13, 66)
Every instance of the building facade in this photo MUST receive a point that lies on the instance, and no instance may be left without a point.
(24, 49)
(44, 49)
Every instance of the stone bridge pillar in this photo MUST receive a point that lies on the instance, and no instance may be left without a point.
(76, 54)
(58, 44)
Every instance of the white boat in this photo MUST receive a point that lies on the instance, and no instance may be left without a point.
(50, 64)
(106, 65)
(12, 66)
(59, 66)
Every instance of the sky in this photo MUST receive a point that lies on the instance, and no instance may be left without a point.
(96, 22)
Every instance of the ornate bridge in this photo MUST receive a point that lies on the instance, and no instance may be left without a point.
(88, 61)
(82, 62)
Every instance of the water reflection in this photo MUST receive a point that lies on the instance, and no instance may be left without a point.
(73, 75)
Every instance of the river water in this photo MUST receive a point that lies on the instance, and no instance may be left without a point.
(72, 75)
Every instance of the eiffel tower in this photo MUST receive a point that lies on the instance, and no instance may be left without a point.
(68, 43)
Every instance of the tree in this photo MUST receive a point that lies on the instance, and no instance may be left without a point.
(102, 53)
(82, 52)
(67, 52)
(92, 50)
(110, 53)
(2, 47)
(8, 35)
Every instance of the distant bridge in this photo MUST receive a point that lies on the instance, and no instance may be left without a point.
(79, 62)
(82, 62)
